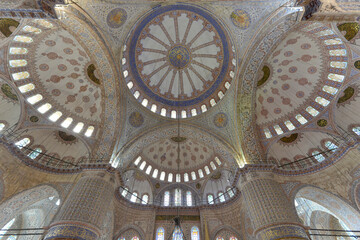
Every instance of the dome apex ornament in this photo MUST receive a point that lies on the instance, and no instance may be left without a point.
(178, 55)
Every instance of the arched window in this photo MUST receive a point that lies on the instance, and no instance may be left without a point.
(318, 156)
(210, 199)
(22, 143)
(219, 238)
(170, 177)
(331, 146)
(177, 197)
(193, 175)
(233, 238)
(221, 197)
(133, 197)
(356, 130)
(2, 126)
(124, 192)
(230, 192)
(135, 238)
(35, 153)
(122, 238)
(145, 199)
(177, 235)
(166, 198)
(195, 233)
(186, 177)
(188, 198)
(160, 234)
(7, 226)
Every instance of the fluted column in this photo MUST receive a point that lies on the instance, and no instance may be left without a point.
(272, 214)
(84, 211)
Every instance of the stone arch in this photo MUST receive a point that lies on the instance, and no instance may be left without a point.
(21, 202)
(226, 231)
(329, 203)
(128, 228)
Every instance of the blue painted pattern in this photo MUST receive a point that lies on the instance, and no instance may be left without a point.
(179, 56)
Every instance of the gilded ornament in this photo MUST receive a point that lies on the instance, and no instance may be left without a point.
(348, 93)
(8, 91)
(136, 119)
(265, 77)
(34, 119)
(6, 24)
(289, 139)
(322, 122)
(240, 19)
(220, 120)
(116, 18)
(351, 29)
(357, 64)
(91, 74)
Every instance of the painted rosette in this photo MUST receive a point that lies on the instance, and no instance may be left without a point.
(178, 61)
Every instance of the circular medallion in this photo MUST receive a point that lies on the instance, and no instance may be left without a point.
(220, 120)
(178, 55)
(116, 18)
(322, 122)
(34, 119)
(240, 19)
(136, 119)
(357, 64)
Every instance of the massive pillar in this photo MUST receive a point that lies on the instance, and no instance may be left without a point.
(84, 211)
(272, 214)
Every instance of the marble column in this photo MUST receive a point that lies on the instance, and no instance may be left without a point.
(83, 213)
(272, 214)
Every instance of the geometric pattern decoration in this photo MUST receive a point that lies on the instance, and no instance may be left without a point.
(178, 61)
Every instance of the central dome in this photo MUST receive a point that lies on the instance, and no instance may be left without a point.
(178, 61)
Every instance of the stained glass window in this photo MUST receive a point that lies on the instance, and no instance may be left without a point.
(301, 119)
(319, 157)
(325, 32)
(330, 145)
(89, 131)
(137, 161)
(289, 125)
(193, 175)
(267, 133)
(322, 101)
(166, 198)
(20, 75)
(44, 108)
(219, 238)
(336, 77)
(2, 126)
(44, 23)
(233, 238)
(155, 173)
(188, 198)
(66, 123)
(35, 153)
(230, 192)
(78, 127)
(124, 192)
(26, 88)
(212, 165)
(142, 166)
(186, 177)
(122, 238)
(31, 29)
(356, 130)
(207, 170)
(160, 234)
(195, 233)
(23, 39)
(162, 176)
(338, 64)
(22, 143)
(333, 41)
(170, 177)
(278, 129)
(133, 197)
(330, 90)
(221, 197)
(201, 174)
(135, 238)
(178, 177)
(313, 112)
(210, 199)
(18, 50)
(145, 199)
(18, 63)
(177, 197)
(177, 235)
(148, 169)
(337, 52)
(217, 160)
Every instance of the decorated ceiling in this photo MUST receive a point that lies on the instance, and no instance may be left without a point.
(192, 90)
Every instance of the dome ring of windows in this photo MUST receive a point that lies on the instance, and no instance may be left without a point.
(337, 55)
(166, 176)
(178, 61)
(19, 50)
